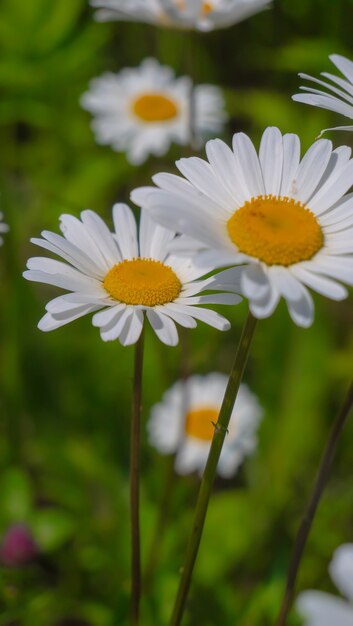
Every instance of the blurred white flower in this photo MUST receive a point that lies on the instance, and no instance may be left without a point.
(125, 277)
(142, 110)
(204, 15)
(323, 609)
(340, 100)
(3, 228)
(183, 424)
(286, 220)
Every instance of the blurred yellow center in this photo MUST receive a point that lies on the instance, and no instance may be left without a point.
(207, 8)
(200, 423)
(276, 230)
(142, 281)
(154, 107)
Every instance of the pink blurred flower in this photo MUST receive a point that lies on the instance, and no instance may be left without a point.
(18, 546)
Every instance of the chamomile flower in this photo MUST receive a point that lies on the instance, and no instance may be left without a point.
(125, 277)
(338, 94)
(323, 609)
(142, 110)
(286, 220)
(204, 15)
(183, 424)
(3, 228)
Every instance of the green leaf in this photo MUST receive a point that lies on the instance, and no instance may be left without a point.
(52, 528)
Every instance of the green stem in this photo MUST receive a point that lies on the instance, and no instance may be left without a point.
(221, 429)
(308, 518)
(135, 483)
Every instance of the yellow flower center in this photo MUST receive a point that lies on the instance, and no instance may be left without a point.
(142, 281)
(154, 107)
(199, 423)
(207, 7)
(276, 230)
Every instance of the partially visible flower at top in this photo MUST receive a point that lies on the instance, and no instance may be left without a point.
(203, 15)
(17, 546)
(3, 228)
(183, 424)
(340, 100)
(286, 220)
(127, 276)
(143, 110)
(323, 609)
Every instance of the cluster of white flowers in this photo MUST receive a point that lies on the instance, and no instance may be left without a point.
(279, 223)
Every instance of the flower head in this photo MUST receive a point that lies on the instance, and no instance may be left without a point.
(285, 220)
(143, 110)
(338, 96)
(183, 424)
(204, 15)
(125, 277)
(323, 609)
(3, 228)
(18, 546)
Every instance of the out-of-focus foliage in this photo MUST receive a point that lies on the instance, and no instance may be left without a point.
(65, 396)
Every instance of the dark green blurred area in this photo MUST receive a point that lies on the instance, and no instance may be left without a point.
(65, 396)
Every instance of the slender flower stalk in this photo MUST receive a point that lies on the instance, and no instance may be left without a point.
(220, 432)
(135, 482)
(308, 517)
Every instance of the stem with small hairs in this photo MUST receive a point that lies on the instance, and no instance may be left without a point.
(210, 470)
(308, 518)
(135, 482)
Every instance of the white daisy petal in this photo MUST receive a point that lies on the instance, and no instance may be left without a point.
(125, 231)
(271, 160)
(321, 284)
(311, 169)
(132, 329)
(164, 327)
(341, 570)
(301, 309)
(322, 609)
(224, 163)
(254, 282)
(291, 160)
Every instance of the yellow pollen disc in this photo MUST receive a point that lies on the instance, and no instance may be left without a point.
(276, 230)
(207, 8)
(199, 423)
(154, 107)
(142, 281)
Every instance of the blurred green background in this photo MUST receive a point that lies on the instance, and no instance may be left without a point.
(65, 396)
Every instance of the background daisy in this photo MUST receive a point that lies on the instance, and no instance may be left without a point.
(183, 424)
(339, 94)
(286, 220)
(323, 609)
(126, 276)
(201, 15)
(142, 110)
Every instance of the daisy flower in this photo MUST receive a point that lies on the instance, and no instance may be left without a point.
(204, 15)
(323, 609)
(338, 96)
(183, 424)
(143, 110)
(124, 277)
(3, 228)
(286, 220)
